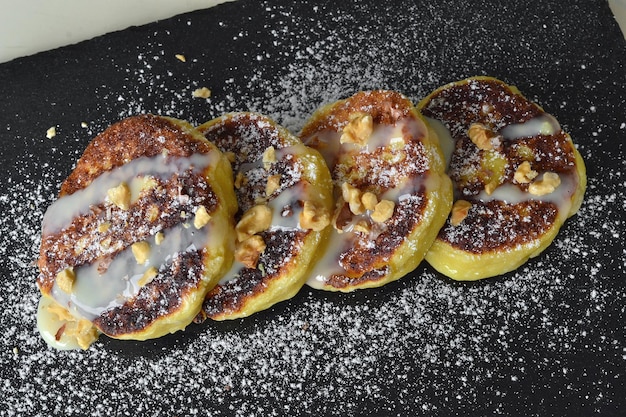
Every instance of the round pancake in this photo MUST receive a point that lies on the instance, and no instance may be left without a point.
(392, 194)
(517, 177)
(285, 202)
(137, 236)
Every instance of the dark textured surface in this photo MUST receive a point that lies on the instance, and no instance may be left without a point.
(548, 339)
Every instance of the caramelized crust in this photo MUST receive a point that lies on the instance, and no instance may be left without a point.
(507, 221)
(261, 151)
(127, 226)
(230, 298)
(397, 160)
(496, 106)
(151, 135)
(169, 172)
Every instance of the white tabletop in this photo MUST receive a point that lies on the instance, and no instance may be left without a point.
(30, 26)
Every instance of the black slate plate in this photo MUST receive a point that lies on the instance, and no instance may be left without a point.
(548, 339)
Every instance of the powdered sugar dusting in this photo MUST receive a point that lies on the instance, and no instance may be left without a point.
(546, 339)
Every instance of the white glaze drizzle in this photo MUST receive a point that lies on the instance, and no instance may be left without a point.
(62, 211)
(544, 124)
(339, 243)
(94, 292)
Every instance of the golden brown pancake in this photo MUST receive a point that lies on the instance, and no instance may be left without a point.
(392, 194)
(517, 177)
(285, 202)
(137, 236)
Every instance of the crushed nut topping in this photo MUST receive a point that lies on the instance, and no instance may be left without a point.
(141, 251)
(273, 184)
(120, 196)
(61, 312)
(158, 238)
(65, 280)
(549, 182)
(147, 183)
(524, 173)
(352, 196)
(201, 93)
(362, 226)
(105, 243)
(256, 219)
(152, 214)
(148, 276)
(491, 186)
(314, 217)
(248, 251)
(460, 208)
(52, 132)
(269, 157)
(369, 200)
(481, 136)
(383, 211)
(103, 227)
(201, 218)
(358, 130)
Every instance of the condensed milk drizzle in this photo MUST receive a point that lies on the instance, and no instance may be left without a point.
(95, 291)
(543, 124)
(396, 136)
(60, 214)
(286, 206)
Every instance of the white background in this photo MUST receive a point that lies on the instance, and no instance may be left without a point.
(30, 26)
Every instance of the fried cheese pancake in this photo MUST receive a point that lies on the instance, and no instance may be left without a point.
(392, 194)
(285, 203)
(137, 236)
(517, 177)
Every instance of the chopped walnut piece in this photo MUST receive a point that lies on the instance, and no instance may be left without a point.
(362, 226)
(152, 214)
(65, 280)
(314, 217)
(256, 219)
(120, 196)
(61, 312)
(269, 157)
(369, 200)
(158, 238)
(524, 173)
(248, 251)
(201, 218)
(383, 211)
(358, 130)
(273, 184)
(147, 183)
(148, 276)
(549, 182)
(481, 136)
(491, 186)
(201, 93)
(103, 227)
(460, 208)
(141, 251)
(105, 243)
(52, 132)
(352, 196)
(86, 333)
